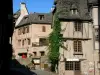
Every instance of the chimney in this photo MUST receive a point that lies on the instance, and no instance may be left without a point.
(31, 13)
(23, 9)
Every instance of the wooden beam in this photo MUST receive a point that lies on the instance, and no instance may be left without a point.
(71, 38)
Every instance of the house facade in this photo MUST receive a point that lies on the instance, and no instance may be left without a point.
(93, 5)
(31, 34)
(78, 23)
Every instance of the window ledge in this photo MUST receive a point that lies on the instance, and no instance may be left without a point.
(78, 53)
(78, 31)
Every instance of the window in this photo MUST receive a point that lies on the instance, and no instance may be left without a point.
(43, 29)
(42, 53)
(97, 37)
(74, 11)
(77, 65)
(35, 54)
(77, 46)
(27, 29)
(90, 11)
(72, 65)
(19, 42)
(19, 31)
(23, 30)
(23, 43)
(43, 42)
(41, 17)
(78, 26)
(96, 34)
(69, 65)
(29, 41)
(26, 18)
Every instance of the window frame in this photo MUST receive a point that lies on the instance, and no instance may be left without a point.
(42, 54)
(27, 29)
(42, 42)
(41, 17)
(19, 42)
(96, 34)
(43, 29)
(23, 41)
(28, 41)
(35, 53)
(74, 11)
(78, 26)
(77, 46)
(73, 65)
(19, 31)
(24, 28)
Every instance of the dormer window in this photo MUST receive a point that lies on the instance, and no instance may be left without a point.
(41, 17)
(74, 11)
(25, 18)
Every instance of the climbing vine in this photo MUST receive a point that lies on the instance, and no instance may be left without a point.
(55, 40)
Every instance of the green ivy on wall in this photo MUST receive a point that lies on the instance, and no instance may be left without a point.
(55, 41)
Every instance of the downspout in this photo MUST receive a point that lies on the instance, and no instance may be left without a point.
(99, 48)
(93, 30)
(99, 33)
(99, 30)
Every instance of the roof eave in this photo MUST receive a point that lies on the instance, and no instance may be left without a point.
(18, 26)
(77, 19)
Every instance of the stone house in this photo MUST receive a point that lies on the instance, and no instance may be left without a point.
(78, 20)
(30, 34)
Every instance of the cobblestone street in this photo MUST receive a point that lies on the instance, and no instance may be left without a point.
(41, 72)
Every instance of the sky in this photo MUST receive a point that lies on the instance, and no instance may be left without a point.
(42, 6)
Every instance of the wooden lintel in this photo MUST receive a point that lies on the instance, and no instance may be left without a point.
(68, 38)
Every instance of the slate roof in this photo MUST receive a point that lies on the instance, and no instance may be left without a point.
(65, 6)
(17, 14)
(93, 1)
(34, 19)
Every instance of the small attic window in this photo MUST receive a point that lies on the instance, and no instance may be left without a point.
(74, 11)
(25, 17)
(41, 17)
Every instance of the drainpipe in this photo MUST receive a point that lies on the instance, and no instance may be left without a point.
(99, 49)
(99, 34)
(93, 29)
